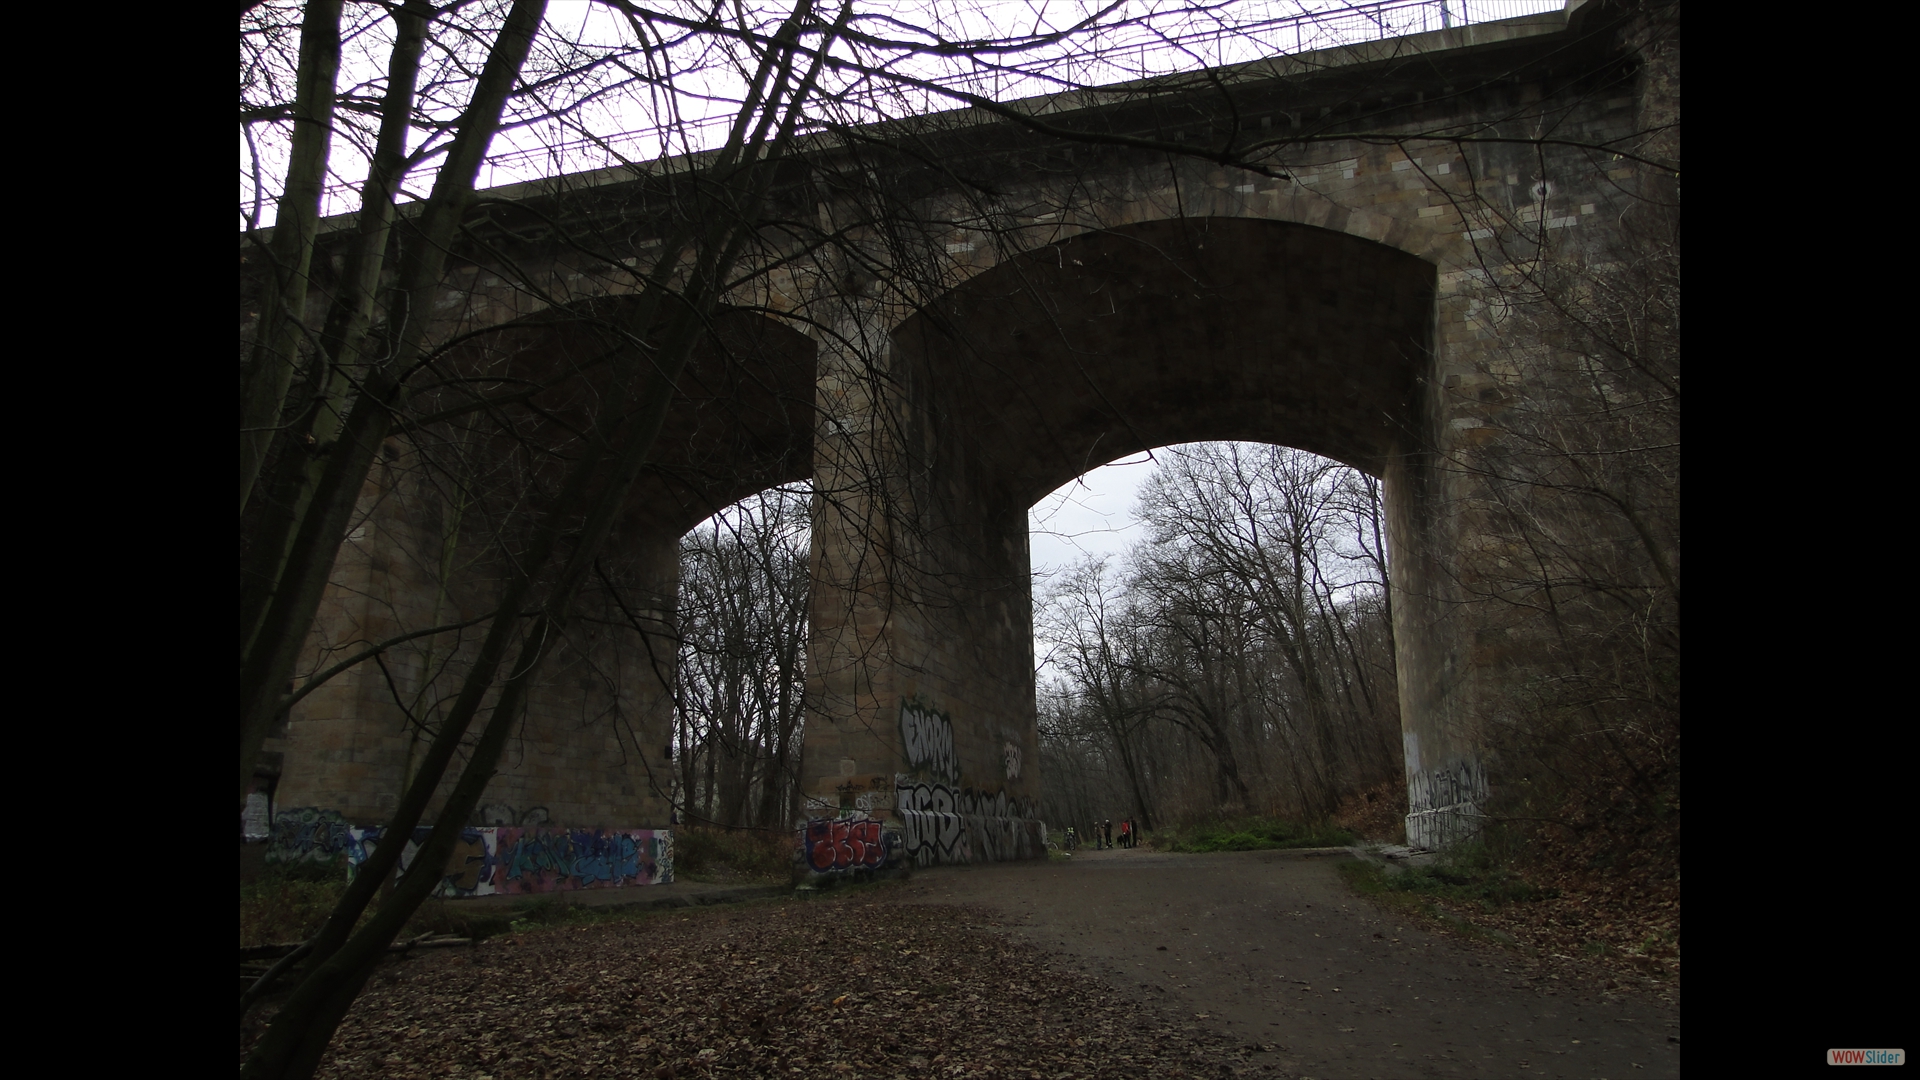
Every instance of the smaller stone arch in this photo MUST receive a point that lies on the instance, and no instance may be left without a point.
(741, 421)
(592, 750)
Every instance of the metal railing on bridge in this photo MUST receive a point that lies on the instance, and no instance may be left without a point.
(1134, 50)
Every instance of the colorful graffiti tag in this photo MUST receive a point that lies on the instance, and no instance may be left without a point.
(491, 860)
(842, 844)
(466, 869)
(551, 860)
(308, 834)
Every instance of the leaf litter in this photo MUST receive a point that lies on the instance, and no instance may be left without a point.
(838, 988)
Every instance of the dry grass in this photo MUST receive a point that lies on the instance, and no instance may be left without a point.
(701, 853)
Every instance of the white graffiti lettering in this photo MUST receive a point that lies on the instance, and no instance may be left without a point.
(1444, 804)
(943, 824)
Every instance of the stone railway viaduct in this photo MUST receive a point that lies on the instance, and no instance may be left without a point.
(1072, 302)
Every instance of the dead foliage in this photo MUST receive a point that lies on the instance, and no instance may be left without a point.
(732, 856)
(1377, 814)
(1598, 888)
(837, 988)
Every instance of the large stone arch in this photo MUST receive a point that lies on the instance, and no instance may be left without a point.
(593, 747)
(1058, 360)
(1117, 341)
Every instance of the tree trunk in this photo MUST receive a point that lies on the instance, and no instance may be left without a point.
(283, 309)
(268, 664)
(333, 372)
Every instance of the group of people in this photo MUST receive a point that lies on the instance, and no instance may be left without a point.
(1103, 836)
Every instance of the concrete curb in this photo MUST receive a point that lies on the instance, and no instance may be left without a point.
(1309, 851)
(1394, 858)
(732, 895)
(677, 895)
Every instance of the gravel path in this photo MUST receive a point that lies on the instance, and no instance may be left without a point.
(1273, 947)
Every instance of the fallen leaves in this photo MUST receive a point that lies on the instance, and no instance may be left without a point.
(663, 998)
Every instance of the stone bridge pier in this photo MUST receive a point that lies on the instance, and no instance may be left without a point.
(1125, 301)
(1098, 346)
(1077, 304)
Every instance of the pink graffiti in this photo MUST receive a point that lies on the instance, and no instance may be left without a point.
(845, 844)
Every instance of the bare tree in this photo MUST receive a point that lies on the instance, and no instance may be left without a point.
(744, 594)
(1103, 683)
(560, 552)
(1252, 623)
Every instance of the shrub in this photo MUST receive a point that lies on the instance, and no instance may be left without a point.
(1255, 834)
(706, 853)
(290, 901)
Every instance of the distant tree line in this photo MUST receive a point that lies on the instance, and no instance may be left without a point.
(743, 648)
(1239, 659)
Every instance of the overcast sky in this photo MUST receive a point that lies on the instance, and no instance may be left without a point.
(1089, 516)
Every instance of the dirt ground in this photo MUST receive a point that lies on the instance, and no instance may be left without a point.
(1274, 948)
(1111, 965)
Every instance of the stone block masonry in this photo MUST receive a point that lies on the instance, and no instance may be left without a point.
(1073, 314)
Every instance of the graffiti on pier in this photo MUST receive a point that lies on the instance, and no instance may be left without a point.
(552, 860)
(944, 824)
(254, 823)
(1010, 756)
(466, 872)
(489, 860)
(1462, 781)
(1444, 804)
(926, 737)
(930, 816)
(308, 834)
(516, 861)
(840, 844)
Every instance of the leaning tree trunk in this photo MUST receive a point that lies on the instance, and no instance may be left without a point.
(267, 664)
(268, 375)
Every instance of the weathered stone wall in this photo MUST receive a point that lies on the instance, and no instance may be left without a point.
(1070, 306)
